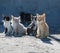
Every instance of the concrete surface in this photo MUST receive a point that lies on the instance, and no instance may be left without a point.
(29, 44)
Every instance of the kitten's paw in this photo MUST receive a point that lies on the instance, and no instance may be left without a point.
(37, 36)
(46, 36)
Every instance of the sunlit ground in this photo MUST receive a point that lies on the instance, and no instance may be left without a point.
(29, 44)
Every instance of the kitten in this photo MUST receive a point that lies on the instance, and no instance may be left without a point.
(7, 25)
(43, 28)
(32, 28)
(17, 26)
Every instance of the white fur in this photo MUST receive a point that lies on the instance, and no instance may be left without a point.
(17, 26)
(7, 25)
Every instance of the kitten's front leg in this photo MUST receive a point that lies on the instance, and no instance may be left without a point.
(38, 33)
(13, 32)
(5, 31)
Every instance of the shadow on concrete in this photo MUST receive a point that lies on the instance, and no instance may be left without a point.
(15, 35)
(46, 40)
(55, 38)
(32, 52)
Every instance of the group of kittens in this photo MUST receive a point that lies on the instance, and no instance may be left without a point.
(37, 26)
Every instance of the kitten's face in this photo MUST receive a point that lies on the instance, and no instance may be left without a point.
(41, 17)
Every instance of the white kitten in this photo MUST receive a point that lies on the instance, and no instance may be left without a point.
(17, 26)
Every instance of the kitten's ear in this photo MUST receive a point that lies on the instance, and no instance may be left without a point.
(19, 17)
(12, 16)
(44, 14)
(31, 16)
(37, 15)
